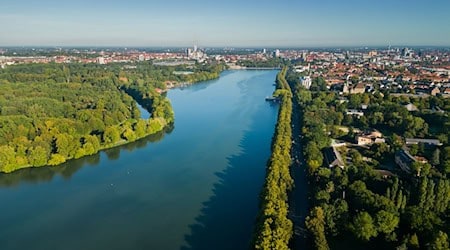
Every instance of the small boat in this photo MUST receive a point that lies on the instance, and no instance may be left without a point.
(272, 99)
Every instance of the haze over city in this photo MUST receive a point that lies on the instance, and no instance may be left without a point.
(224, 23)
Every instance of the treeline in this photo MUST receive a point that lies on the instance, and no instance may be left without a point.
(356, 207)
(274, 229)
(53, 112)
(271, 62)
(204, 72)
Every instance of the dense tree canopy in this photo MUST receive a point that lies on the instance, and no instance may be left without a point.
(274, 229)
(355, 207)
(50, 113)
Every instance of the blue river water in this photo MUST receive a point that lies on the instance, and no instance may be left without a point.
(194, 187)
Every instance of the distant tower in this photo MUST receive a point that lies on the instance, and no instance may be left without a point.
(276, 53)
(264, 51)
(405, 52)
(195, 48)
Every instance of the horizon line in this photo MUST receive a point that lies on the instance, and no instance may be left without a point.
(225, 46)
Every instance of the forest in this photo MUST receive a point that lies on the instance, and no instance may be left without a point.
(50, 113)
(274, 229)
(357, 206)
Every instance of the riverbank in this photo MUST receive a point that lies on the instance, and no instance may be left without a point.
(238, 67)
(131, 196)
(47, 121)
(55, 161)
(274, 229)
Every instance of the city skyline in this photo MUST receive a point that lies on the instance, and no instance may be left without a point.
(175, 23)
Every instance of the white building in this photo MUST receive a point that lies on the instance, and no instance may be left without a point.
(101, 60)
(306, 81)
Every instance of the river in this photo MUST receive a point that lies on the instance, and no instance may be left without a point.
(194, 187)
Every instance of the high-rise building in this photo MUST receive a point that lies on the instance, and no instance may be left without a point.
(276, 53)
(406, 52)
(195, 48)
(264, 51)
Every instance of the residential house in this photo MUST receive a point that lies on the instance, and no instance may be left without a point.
(435, 91)
(333, 157)
(405, 160)
(369, 138)
(359, 88)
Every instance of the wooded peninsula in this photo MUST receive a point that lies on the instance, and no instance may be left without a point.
(50, 113)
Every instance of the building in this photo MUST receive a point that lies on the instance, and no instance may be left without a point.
(333, 158)
(369, 138)
(446, 91)
(276, 53)
(306, 82)
(354, 112)
(427, 142)
(141, 58)
(404, 160)
(101, 60)
(435, 91)
(359, 88)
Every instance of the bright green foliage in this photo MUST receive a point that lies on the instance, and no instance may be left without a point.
(274, 229)
(315, 223)
(386, 222)
(111, 135)
(363, 226)
(56, 159)
(50, 113)
(440, 242)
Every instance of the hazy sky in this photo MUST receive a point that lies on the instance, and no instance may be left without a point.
(224, 22)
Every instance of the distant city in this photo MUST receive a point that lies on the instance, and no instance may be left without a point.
(402, 69)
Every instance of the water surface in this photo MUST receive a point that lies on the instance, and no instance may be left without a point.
(196, 187)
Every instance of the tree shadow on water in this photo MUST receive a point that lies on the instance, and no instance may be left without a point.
(227, 218)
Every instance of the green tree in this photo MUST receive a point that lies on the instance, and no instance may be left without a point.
(315, 223)
(38, 156)
(386, 222)
(56, 159)
(440, 242)
(111, 135)
(413, 242)
(435, 158)
(363, 226)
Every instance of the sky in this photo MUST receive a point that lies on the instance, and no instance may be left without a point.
(233, 23)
